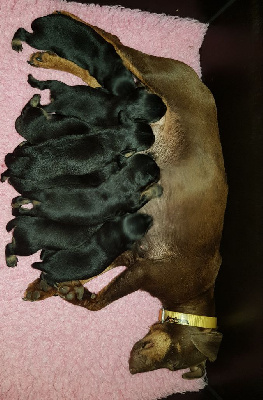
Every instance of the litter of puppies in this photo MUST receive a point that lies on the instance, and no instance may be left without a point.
(80, 172)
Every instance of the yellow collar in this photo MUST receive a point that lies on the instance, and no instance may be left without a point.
(187, 319)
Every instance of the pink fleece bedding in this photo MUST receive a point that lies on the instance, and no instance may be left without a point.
(51, 349)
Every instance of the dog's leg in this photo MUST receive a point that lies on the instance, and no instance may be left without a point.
(39, 290)
(35, 100)
(128, 281)
(151, 192)
(10, 257)
(20, 36)
(51, 60)
(18, 209)
(5, 175)
(42, 85)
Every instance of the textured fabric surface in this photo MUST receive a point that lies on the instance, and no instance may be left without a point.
(51, 349)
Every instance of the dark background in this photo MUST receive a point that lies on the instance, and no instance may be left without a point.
(232, 64)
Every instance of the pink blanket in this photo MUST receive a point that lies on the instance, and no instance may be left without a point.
(51, 349)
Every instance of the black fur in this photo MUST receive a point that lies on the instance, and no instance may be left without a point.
(36, 125)
(92, 179)
(31, 234)
(79, 43)
(96, 254)
(120, 194)
(75, 154)
(96, 106)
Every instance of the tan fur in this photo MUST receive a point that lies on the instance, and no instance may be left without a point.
(53, 61)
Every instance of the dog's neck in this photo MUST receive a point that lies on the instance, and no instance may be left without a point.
(201, 305)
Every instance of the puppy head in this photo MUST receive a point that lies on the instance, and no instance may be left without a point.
(136, 225)
(175, 347)
(144, 169)
(145, 106)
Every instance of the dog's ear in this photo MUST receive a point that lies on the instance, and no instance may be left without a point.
(207, 343)
(197, 371)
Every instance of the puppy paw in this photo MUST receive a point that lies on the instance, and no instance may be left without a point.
(39, 290)
(74, 292)
(5, 175)
(35, 100)
(19, 201)
(152, 192)
(11, 261)
(17, 45)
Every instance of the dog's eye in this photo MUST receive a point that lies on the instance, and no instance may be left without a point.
(147, 345)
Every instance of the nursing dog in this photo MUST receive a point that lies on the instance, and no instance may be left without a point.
(74, 154)
(98, 107)
(80, 44)
(95, 254)
(124, 192)
(179, 258)
(31, 234)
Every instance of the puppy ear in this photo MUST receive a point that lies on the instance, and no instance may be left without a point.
(207, 343)
(196, 371)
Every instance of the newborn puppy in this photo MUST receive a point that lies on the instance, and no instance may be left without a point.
(92, 179)
(96, 106)
(96, 253)
(79, 43)
(123, 192)
(35, 125)
(75, 154)
(31, 234)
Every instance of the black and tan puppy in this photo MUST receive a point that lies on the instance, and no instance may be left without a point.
(31, 234)
(79, 43)
(95, 254)
(97, 106)
(36, 125)
(75, 154)
(92, 179)
(122, 193)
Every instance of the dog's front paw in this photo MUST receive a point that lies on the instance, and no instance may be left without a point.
(39, 290)
(75, 293)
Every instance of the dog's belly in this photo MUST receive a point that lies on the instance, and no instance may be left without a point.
(188, 217)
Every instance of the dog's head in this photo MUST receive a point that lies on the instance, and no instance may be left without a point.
(175, 347)
(145, 106)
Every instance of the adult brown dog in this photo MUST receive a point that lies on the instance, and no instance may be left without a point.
(178, 260)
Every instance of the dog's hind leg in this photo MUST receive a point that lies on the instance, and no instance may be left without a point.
(10, 257)
(18, 209)
(50, 60)
(20, 36)
(151, 192)
(5, 175)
